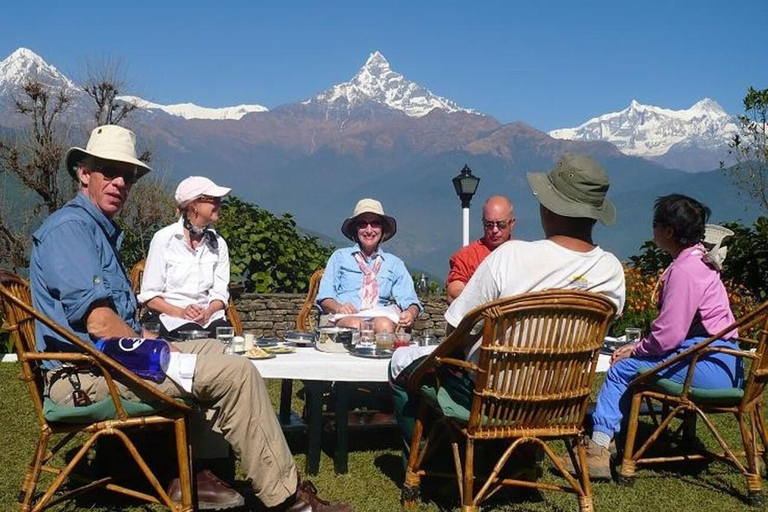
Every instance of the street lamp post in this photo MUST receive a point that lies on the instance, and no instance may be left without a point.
(466, 185)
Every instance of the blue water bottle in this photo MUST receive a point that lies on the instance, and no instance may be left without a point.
(147, 358)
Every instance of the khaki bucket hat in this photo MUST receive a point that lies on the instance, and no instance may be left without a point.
(108, 142)
(576, 187)
(349, 228)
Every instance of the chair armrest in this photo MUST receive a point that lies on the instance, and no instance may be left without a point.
(107, 365)
(695, 353)
(459, 339)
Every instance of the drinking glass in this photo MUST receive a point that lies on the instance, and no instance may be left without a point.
(366, 333)
(428, 338)
(402, 339)
(248, 339)
(150, 330)
(632, 334)
(225, 335)
(385, 340)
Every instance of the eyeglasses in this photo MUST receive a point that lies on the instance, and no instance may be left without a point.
(209, 199)
(362, 224)
(129, 176)
(501, 224)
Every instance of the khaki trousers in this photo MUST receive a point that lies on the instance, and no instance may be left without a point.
(238, 407)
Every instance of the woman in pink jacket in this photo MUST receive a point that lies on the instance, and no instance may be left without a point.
(693, 306)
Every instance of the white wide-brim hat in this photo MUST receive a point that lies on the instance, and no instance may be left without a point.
(349, 228)
(713, 242)
(108, 142)
(195, 186)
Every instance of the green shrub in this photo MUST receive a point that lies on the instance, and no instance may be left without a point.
(267, 253)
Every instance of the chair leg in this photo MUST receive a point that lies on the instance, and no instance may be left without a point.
(748, 427)
(758, 415)
(629, 463)
(411, 491)
(32, 474)
(586, 502)
(184, 460)
(467, 495)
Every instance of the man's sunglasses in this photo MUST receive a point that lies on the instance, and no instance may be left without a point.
(361, 224)
(501, 224)
(129, 177)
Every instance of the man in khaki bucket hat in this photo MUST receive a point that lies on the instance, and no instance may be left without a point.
(77, 279)
(572, 197)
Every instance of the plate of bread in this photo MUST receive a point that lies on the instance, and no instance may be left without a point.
(258, 353)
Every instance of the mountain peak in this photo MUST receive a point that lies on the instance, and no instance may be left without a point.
(376, 82)
(24, 64)
(708, 105)
(377, 60)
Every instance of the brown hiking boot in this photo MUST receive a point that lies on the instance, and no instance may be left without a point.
(212, 493)
(308, 501)
(598, 462)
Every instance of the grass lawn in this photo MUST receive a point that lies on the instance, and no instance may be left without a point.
(375, 474)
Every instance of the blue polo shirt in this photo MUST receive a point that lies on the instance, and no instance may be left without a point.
(75, 263)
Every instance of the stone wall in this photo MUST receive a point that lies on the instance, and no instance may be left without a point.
(273, 314)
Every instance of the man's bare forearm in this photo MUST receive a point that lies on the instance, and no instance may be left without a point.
(103, 322)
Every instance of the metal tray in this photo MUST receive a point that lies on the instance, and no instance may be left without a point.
(371, 353)
(193, 334)
(299, 338)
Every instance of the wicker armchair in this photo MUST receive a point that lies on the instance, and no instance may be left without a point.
(137, 272)
(745, 403)
(308, 317)
(112, 416)
(536, 368)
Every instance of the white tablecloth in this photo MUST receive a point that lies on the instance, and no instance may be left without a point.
(310, 364)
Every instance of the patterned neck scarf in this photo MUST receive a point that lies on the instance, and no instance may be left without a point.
(209, 236)
(369, 291)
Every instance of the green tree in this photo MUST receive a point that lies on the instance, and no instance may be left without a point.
(747, 260)
(149, 208)
(31, 160)
(267, 253)
(750, 149)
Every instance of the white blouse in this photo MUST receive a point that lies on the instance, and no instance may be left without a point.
(182, 275)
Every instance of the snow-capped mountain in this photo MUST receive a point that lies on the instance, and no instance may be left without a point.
(192, 111)
(25, 64)
(662, 134)
(376, 82)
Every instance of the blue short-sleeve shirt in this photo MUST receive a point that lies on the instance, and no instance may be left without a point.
(75, 263)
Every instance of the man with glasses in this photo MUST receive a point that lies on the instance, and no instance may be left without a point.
(498, 221)
(77, 279)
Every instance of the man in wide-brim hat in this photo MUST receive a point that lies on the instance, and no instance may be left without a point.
(77, 280)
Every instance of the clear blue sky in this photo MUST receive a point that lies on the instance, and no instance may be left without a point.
(550, 64)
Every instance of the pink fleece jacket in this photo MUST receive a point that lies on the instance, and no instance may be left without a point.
(693, 300)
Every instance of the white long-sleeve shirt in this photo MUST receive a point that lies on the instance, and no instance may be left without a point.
(182, 275)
